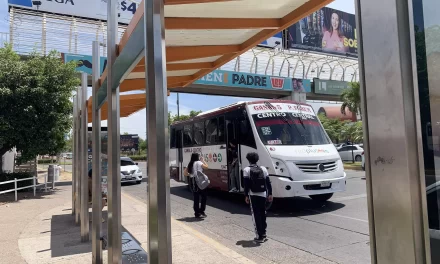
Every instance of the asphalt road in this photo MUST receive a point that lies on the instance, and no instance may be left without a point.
(336, 232)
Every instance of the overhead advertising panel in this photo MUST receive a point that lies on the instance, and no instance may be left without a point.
(129, 143)
(326, 30)
(254, 81)
(84, 62)
(329, 87)
(95, 9)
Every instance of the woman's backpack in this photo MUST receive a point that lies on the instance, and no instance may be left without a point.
(202, 180)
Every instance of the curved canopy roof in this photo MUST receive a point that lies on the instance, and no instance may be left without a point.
(200, 36)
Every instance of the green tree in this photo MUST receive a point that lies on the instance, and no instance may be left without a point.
(351, 99)
(143, 144)
(175, 118)
(36, 107)
(333, 127)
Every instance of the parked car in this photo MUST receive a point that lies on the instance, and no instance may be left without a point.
(363, 161)
(130, 170)
(348, 152)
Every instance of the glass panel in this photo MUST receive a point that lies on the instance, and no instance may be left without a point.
(188, 136)
(290, 129)
(427, 39)
(199, 133)
(221, 129)
(211, 131)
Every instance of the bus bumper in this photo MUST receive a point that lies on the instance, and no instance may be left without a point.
(285, 188)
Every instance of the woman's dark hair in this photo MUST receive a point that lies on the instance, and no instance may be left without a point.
(252, 157)
(339, 24)
(194, 158)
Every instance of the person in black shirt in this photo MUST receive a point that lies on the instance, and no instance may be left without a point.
(257, 199)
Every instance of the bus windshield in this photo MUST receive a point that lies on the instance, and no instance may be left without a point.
(282, 128)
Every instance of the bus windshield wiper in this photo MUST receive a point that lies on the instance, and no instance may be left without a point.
(273, 108)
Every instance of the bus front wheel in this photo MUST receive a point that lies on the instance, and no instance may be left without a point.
(321, 197)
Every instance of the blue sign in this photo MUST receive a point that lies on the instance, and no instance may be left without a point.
(84, 62)
(254, 81)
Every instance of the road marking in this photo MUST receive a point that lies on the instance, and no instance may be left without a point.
(342, 216)
(347, 198)
(227, 252)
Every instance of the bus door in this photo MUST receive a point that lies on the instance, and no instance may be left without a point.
(179, 145)
(233, 155)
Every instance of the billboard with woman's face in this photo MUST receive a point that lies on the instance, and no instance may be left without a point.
(326, 30)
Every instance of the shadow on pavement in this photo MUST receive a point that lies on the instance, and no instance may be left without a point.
(25, 195)
(190, 219)
(66, 237)
(247, 243)
(286, 207)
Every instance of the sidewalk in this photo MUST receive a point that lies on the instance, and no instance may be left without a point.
(42, 230)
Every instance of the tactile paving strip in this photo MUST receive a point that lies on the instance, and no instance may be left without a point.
(131, 251)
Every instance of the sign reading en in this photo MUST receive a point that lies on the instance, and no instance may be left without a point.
(329, 87)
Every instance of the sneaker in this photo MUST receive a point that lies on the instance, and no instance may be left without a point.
(233, 190)
(259, 239)
(264, 236)
(197, 216)
(203, 215)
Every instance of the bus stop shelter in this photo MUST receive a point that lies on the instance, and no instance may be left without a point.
(168, 44)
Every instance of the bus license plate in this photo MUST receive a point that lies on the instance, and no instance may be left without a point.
(325, 184)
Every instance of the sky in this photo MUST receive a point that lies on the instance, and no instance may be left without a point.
(136, 123)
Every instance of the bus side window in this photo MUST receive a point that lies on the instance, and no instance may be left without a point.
(221, 130)
(173, 138)
(199, 133)
(246, 134)
(211, 131)
(188, 136)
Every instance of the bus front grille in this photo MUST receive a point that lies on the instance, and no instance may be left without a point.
(317, 167)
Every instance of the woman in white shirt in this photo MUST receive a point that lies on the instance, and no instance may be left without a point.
(197, 163)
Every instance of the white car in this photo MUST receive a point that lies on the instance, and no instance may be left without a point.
(349, 152)
(130, 171)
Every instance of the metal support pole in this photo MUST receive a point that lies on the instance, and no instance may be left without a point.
(11, 26)
(43, 33)
(77, 158)
(15, 187)
(35, 186)
(159, 215)
(74, 164)
(114, 170)
(398, 220)
(84, 157)
(96, 160)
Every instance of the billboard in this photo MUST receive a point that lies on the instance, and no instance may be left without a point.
(329, 87)
(253, 81)
(84, 62)
(129, 143)
(95, 9)
(326, 30)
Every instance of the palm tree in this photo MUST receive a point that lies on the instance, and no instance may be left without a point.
(351, 99)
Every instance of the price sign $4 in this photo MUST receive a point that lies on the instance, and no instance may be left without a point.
(128, 6)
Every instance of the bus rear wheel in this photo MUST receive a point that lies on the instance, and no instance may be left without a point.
(321, 197)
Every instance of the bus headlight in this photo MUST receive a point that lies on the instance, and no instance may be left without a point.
(280, 167)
